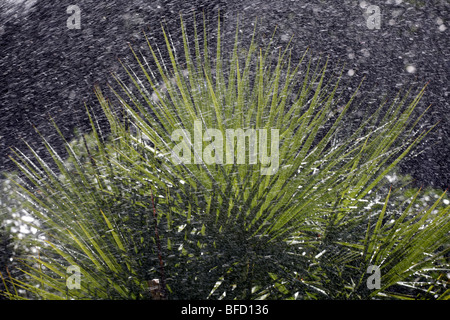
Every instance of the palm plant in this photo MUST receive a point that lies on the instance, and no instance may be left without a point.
(125, 210)
(6, 253)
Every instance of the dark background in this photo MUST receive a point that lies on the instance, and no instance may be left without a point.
(48, 70)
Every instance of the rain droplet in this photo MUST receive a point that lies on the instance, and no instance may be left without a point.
(411, 69)
(365, 52)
